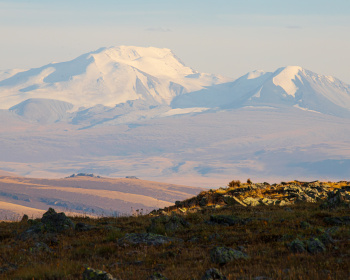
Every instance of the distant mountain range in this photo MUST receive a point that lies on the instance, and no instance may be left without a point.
(131, 110)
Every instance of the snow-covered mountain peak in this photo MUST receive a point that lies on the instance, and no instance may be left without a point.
(157, 62)
(107, 76)
(284, 77)
(255, 74)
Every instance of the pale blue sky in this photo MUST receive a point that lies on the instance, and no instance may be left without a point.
(219, 36)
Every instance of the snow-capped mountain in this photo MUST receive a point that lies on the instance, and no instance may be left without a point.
(108, 76)
(290, 86)
(141, 111)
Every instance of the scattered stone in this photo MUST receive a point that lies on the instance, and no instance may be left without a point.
(223, 255)
(213, 274)
(157, 276)
(296, 246)
(95, 274)
(146, 238)
(314, 246)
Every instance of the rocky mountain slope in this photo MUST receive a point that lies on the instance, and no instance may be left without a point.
(255, 194)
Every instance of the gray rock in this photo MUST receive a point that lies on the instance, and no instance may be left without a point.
(337, 198)
(314, 246)
(326, 239)
(250, 201)
(95, 274)
(146, 238)
(223, 255)
(40, 247)
(56, 222)
(297, 246)
(232, 200)
(213, 274)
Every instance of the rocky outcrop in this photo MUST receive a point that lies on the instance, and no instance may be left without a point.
(51, 223)
(251, 194)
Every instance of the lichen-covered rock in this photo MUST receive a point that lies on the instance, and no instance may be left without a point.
(147, 239)
(157, 276)
(250, 201)
(223, 255)
(314, 246)
(95, 274)
(232, 200)
(56, 222)
(213, 274)
(296, 246)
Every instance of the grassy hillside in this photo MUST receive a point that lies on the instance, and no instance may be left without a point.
(296, 240)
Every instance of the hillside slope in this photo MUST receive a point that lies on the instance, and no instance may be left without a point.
(88, 195)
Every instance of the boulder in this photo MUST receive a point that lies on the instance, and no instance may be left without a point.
(56, 222)
(296, 246)
(95, 274)
(223, 255)
(232, 200)
(213, 274)
(337, 198)
(314, 246)
(250, 201)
